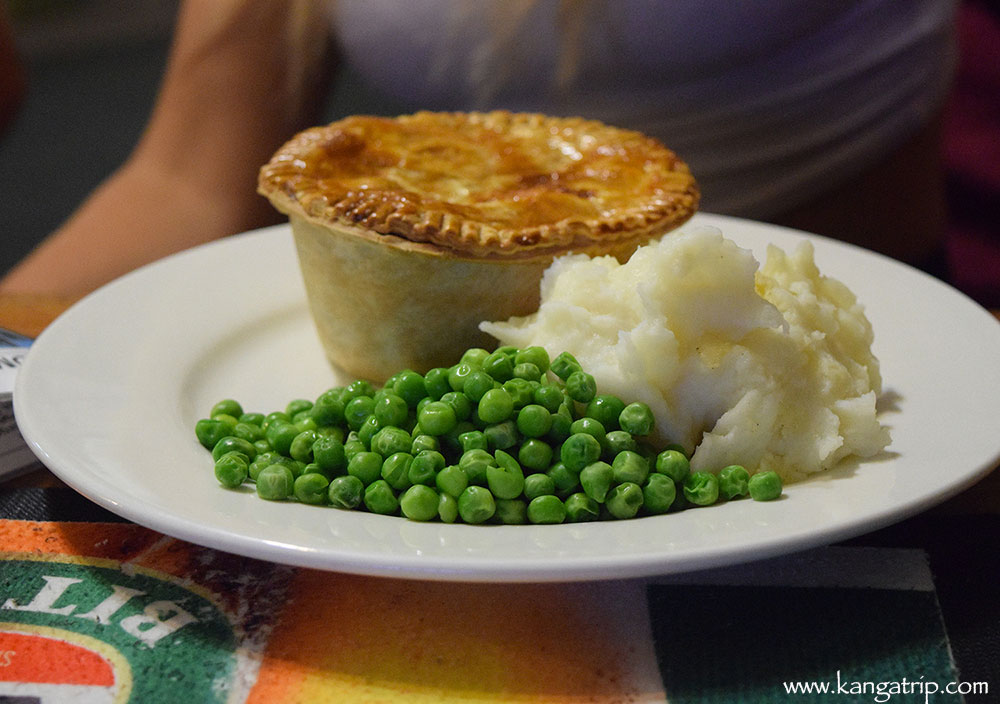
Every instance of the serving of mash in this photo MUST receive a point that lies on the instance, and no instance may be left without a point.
(765, 366)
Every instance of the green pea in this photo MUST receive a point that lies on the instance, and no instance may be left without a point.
(564, 365)
(630, 466)
(459, 373)
(396, 470)
(232, 469)
(566, 480)
(262, 446)
(502, 436)
(425, 466)
(436, 382)
(357, 410)
(345, 492)
(252, 418)
(437, 418)
(411, 386)
(549, 396)
(275, 483)
(459, 403)
(581, 508)
(495, 406)
(473, 440)
(328, 408)
(624, 500)
(546, 509)
(388, 441)
(591, 426)
(533, 355)
(262, 460)
(310, 488)
(353, 445)
(452, 480)
(658, 494)
(733, 481)
(302, 446)
(579, 450)
(447, 508)
(424, 442)
(534, 421)
(596, 479)
(328, 452)
(233, 444)
(419, 503)
(273, 416)
(331, 431)
(765, 486)
(581, 386)
(368, 430)
(366, 466)
(210, 430)
(304, 421)
(636, 418)
(617, 441)
(476, 505)
(248, 432)
(521, 392)
(701, 488)
(535, 455)
(227, 407)
(511, 511)
(474, 356)
(606, 409)
(505, 479)
(358, 387)
(538, 485)
(476, 384)
(475, 462)
(527, 371)
(390, 409)
(499, 366)
(380, 498)
(673, 464)
(298, 405)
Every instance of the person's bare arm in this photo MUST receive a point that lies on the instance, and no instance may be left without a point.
(242, 77)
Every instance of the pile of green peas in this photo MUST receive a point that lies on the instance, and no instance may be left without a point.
(509, 436)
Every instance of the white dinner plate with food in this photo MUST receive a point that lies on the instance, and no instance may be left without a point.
(110, 393)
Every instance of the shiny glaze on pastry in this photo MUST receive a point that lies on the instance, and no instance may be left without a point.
(494, 184)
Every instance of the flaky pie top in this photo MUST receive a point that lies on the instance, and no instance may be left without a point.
(483, 184)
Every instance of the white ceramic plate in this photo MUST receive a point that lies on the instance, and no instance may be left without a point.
(109, 395)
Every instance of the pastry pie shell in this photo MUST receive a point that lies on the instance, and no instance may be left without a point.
(399, 276)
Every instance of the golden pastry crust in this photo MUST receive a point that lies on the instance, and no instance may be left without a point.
(495, 184)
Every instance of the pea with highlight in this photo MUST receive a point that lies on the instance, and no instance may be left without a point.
(734, 482)
(765, 486)
(636, 418)
(701, 488)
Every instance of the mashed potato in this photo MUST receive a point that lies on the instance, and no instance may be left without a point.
(768, 368)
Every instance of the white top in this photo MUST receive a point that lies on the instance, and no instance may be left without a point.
(770, 102)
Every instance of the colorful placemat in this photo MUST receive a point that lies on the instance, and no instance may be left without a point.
(109, 611)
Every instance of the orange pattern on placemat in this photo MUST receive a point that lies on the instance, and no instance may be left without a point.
(347, 639)
(84, 539)
(37, 658)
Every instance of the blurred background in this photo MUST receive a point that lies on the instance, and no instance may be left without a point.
(91, 69)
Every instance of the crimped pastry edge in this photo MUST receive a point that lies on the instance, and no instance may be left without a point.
(464, 237)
